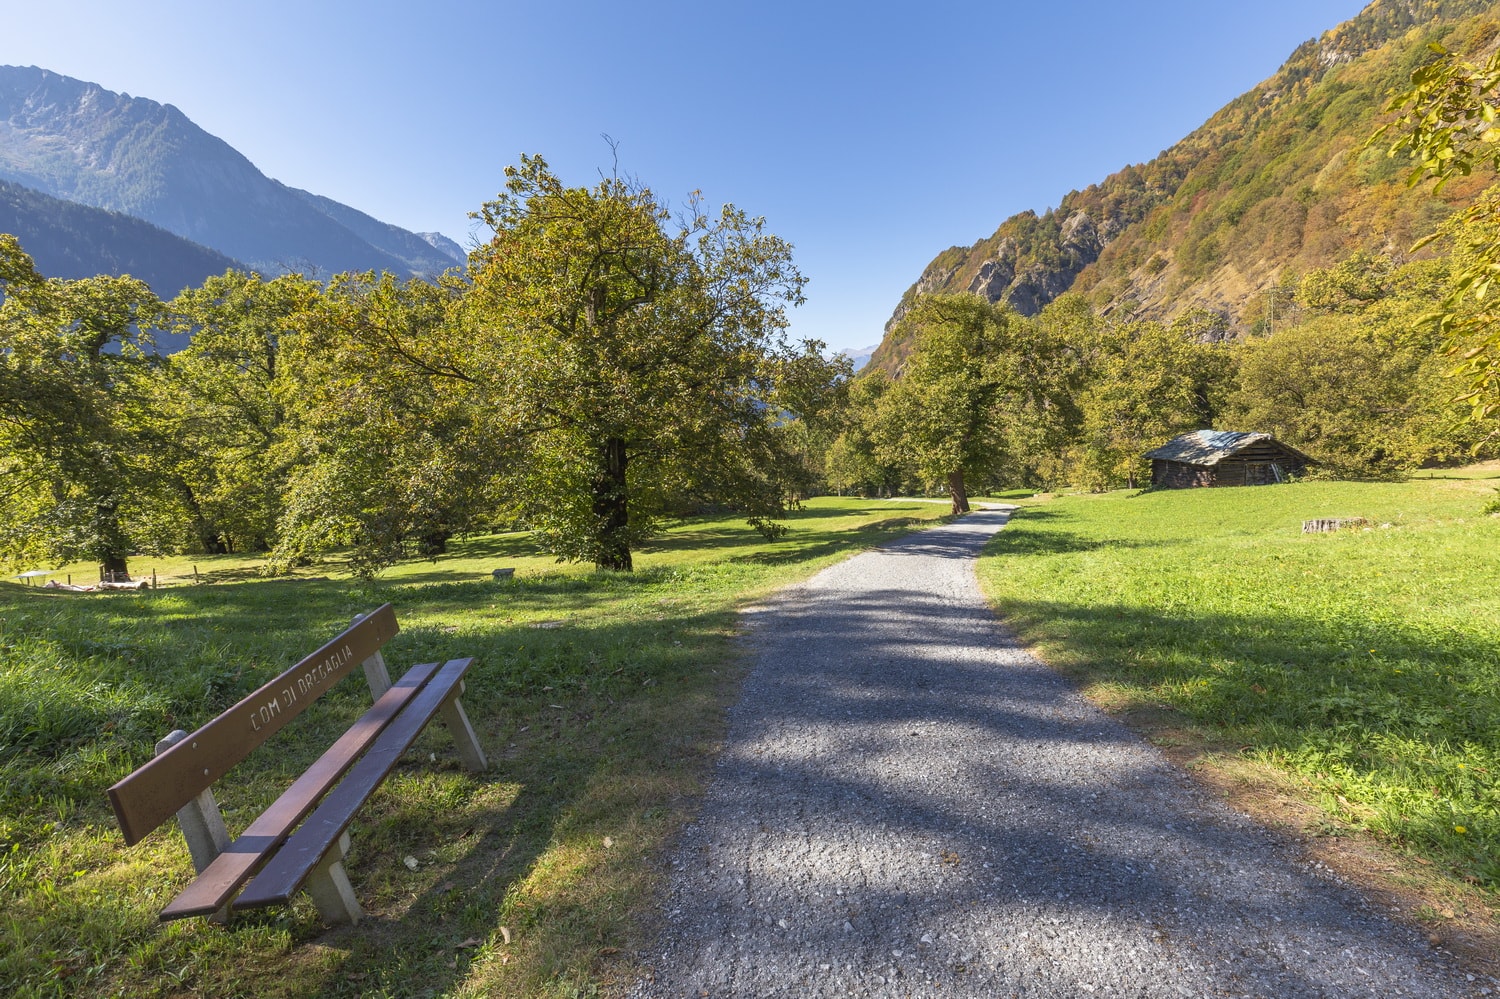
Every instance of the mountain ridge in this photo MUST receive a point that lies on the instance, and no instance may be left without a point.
(67, 239)
(1279, 178)
(80, 142)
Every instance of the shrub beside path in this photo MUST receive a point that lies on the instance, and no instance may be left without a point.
(910, 804)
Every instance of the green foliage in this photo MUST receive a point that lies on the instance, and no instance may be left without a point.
(225, 404)
(937, 420)
(390, 450)
(78, 432)
(635, 365)
(1358, 384)
(1446, 124)
(1146, 384)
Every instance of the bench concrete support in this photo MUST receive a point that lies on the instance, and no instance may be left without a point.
(202, 824)
(201, 821)
(330, 889)
(464, 739)
(377, 675)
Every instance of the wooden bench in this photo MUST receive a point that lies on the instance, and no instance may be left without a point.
(274, 854)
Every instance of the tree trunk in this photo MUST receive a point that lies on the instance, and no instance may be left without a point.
(210, 540)
(114, 570)
(611, 510)
(434, 543)
(110, 544)
(957, 492)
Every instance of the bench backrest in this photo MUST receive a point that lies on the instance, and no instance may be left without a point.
(154, 793)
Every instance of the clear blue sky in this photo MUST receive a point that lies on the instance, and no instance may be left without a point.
(872, 135)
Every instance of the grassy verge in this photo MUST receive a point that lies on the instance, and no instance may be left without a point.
(598, 696)
(1362, 667)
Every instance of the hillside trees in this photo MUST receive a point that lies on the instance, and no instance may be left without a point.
(634, 358)
(1358, 383)
(225, 403)
(1447, 123)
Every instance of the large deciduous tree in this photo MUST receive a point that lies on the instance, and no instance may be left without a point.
(634, 358)
(1146, 384)
(227, 411)
(395, 447)
(77, 432)
(939, 418)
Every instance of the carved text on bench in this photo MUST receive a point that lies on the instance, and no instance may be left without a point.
(304, 683)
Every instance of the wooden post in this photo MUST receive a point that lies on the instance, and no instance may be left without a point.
(464, 740)
(195, 574)
(153, 579)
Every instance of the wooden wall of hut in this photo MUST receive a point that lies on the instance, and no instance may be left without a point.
(1179, 475)
(1263, 463)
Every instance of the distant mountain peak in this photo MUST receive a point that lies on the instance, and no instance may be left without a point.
(443, 244)
(77, 141)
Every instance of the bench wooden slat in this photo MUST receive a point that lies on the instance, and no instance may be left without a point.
(154, 793)
(217, 883)
(285, 872)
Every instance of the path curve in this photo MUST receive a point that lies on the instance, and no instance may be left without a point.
(910, 804)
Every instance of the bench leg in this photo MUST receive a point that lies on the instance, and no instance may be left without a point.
(377, 675)
(464, 739)
(202, 825)
(330, 889)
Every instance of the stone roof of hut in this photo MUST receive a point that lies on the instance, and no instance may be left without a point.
(1209, 447)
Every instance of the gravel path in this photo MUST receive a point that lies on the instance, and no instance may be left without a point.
(909, 804)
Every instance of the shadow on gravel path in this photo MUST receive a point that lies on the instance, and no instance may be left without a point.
(909, 804)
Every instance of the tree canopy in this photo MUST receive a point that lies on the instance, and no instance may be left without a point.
(1446, 123)
(635, 360)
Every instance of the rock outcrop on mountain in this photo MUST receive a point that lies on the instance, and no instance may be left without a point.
(79, 142)
(1278, 182)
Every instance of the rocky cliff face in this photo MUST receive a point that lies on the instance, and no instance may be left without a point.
(77, 141)
(1279, 179)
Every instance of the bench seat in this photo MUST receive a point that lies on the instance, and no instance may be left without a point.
(290, 867)
(296, 842)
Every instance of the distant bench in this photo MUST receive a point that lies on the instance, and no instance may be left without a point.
(279, 859)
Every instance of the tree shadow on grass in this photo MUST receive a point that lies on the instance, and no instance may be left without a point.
(899, 767)
(611, 677)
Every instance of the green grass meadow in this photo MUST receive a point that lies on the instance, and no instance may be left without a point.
(1364, 665)
(598, 696)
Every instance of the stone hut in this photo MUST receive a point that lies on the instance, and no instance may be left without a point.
(1224, 458)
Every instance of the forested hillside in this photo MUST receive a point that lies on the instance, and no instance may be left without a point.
(69, 240)
(1277, 183)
